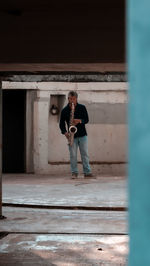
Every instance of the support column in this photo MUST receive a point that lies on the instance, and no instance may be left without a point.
(139, 131)
(41, 112)
(30, 98)
(1, 150)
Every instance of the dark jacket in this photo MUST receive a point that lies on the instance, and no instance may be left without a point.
(80, 113)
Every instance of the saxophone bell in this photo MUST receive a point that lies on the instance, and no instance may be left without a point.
(73, 129)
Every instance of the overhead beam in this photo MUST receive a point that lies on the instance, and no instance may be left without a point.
(85, 31)
(78, 67)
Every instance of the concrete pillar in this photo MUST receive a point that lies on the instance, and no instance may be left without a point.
(30, 97)
(139, 131)
(41, 114)
(0, 150)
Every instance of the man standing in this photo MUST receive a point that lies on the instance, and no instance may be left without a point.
(80, 137)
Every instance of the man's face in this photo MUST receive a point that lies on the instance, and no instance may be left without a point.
(72, 99)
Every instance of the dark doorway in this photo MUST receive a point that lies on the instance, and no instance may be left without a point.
(14, 131)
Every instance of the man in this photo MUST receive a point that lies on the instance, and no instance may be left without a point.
(80, 137)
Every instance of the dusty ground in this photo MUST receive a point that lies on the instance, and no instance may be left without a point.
(37, 236)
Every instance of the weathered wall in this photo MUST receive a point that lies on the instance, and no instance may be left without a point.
(107, 128)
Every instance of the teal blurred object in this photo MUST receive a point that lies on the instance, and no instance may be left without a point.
(138, 57)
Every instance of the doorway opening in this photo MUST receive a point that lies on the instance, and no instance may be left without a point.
(14, 126)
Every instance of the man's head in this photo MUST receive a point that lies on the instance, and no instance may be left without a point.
(72, 97)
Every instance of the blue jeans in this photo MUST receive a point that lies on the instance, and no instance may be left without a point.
(82, 143)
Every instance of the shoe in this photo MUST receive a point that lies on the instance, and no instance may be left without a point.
(74, 175)
(88, 175)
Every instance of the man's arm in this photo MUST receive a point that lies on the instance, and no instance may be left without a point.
(85, 117)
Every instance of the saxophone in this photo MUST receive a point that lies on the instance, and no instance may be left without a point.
(72, 128)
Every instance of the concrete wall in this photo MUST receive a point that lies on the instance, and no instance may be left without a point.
(107, 128)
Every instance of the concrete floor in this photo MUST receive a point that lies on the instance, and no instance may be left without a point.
(62, 191)
(45, 236)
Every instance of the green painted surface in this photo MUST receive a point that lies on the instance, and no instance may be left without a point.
(139, 131)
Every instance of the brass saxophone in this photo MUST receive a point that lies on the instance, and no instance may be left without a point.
(72, 128)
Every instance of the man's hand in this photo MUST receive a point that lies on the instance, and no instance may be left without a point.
(67, 135)
(76, 121)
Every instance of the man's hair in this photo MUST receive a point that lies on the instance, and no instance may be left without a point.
(73, 93)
